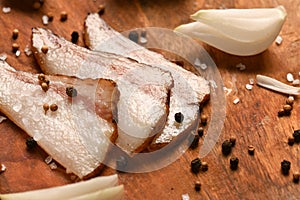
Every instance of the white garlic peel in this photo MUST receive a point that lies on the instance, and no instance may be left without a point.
(104, 186)
(276, 85)
(242, 32)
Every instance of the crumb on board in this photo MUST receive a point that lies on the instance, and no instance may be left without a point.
(278, 40)
(236, 101)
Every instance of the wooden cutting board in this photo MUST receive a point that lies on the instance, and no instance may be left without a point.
(253, 121)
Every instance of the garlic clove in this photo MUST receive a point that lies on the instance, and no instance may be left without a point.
(215, 38)
(238, 13)
(248, 35)
(112, 193)
(263, 23)
(66, 191)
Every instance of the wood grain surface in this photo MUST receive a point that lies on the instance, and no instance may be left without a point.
(253, 121)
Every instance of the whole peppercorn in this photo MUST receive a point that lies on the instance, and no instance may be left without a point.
(53, 107)
(30, 143)
(44, 49)
(41, 77)
(290, 100)
(15, 47)
(203, 119)
(197, 186)
(291, 141)
(63, 16)
(287, 108)
(50, 16)
(179, 117)
(234, 162)
(101, 10)
(44, 86)
(296, 136)
(134, 36)
(46, 107)
(285, 167)
(200, 131)
(74, 37)
(71, 91)
(195, 142)
(204, 166)
(251, 150)
(195, 165)
(281, 112)
(15, 34)
(296, 177)
(226, 147)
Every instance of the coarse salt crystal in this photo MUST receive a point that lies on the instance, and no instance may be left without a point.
(185, 197)
(241, 66)
(3, 168)
(278, 40)
(203, 66)
(251, 81)
(45, 19)
(249, 86)
(291, 97)
(2, 118)
(53, 166)
(143, 40)
(48, 160)
(296, 82)
(18, 53)
(289, 77)
(197, 62)
(6, 9)
(236, 101)
(27, 51)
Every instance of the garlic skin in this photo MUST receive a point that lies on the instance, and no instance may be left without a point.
(275, 85)
(242, 32)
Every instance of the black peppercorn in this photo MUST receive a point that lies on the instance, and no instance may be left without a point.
(296, 177)
(203, 119)
(179, 117)
(200, 131)
(63, 16)
(296, 136)
(251, 150)
(197, 186)
(30, 143)
(195, 165)
(234, 162)
(134, 36)
(121, 163)
(226, 147)
(74, 37)
(281, 113)
(195, 142)
(204, 166)
(291, 141)
(101, 10)
(285, 167)
(71, 91)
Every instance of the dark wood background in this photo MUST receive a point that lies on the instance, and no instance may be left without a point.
(253, 121)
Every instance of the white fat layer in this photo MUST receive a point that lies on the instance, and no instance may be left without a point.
(188, 91)
(72, 135)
